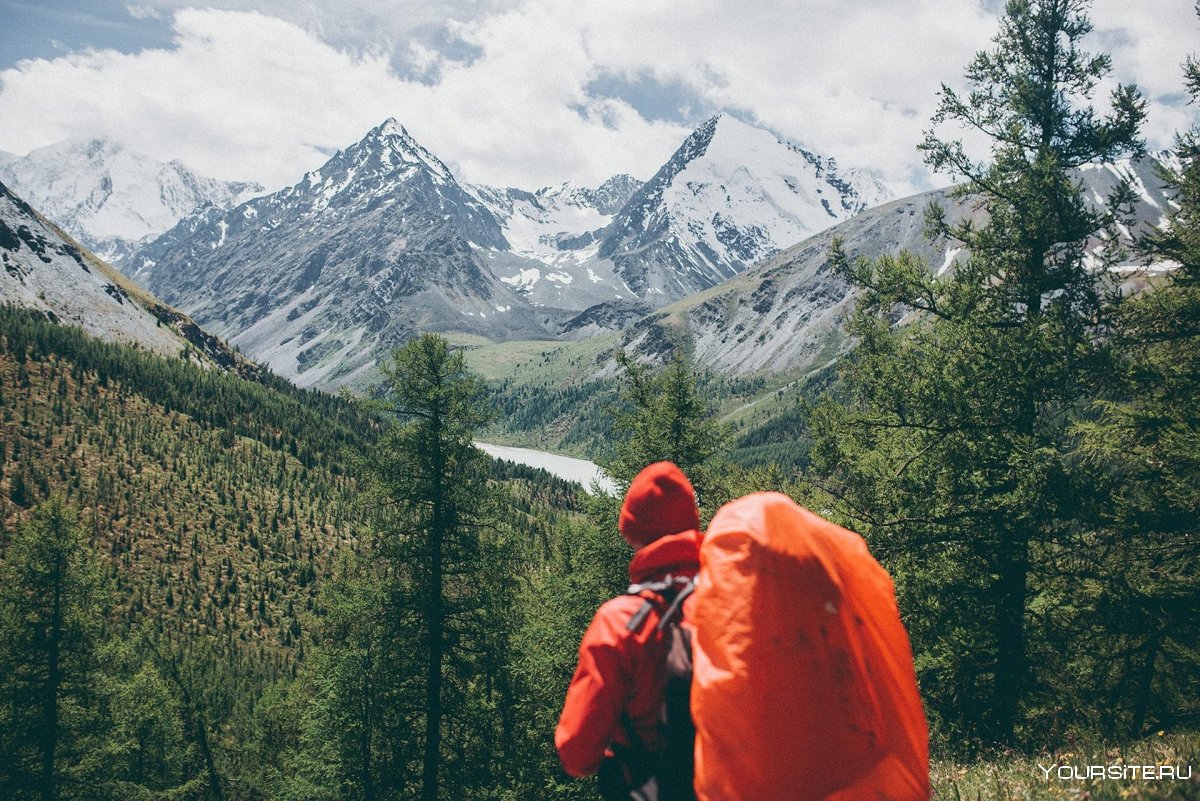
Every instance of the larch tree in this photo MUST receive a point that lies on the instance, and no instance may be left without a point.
(51, 611)
(664, 416)
(433, 484)
(408, 681)
(952, 452)
(1144, 441)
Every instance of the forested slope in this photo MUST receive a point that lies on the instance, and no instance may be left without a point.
(215, 511)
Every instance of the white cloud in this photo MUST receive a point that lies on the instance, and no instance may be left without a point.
(239, 95)
(1149, 49)
(245, 94)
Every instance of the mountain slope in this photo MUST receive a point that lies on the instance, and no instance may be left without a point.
(47, 271)
(111, 198)
(219, 500)
(788, 313)
(321, 279)
(730, 196)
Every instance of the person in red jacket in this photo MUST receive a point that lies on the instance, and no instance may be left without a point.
(615, 699)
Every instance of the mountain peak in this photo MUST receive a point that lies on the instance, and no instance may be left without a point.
(389, 127)
(393, 146)
(110, 196)
(723, 122)
(737, 136)
(612, 195)
(731, 195)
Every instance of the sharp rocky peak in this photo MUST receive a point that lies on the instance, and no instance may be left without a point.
(392, 137)
(388, 152)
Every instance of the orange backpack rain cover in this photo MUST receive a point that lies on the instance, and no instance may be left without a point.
(803, 685)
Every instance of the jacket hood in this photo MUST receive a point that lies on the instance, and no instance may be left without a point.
(675, 554)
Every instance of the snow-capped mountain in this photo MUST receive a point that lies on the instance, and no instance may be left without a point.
(731, 196)
(320, 280)
(111, 198)
(45, 270)
(789, 312)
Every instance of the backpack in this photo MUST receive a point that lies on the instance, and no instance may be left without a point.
(635, 773)
(804, 687)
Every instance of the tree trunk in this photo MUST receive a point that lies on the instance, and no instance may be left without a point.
(196, 723)
(1012, 589)
(210, 766)
(49, 790)
(1145, 682)
(435, 621)
(367, 776)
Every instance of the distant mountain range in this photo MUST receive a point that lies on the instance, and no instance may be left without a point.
(321, 279)
(730, 196)
(724, 248)
(112, 199)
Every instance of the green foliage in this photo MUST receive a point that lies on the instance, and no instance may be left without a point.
(51, 611)
(1143, 442)
(569, 418)
(953, 452)
(217, 504)
(411, 688)
(572, 413)
(211, 532)
(145, 753)
(357, 729)
(783, 439)
(664, 417)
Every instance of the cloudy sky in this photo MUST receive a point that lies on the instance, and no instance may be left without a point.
(522, 92)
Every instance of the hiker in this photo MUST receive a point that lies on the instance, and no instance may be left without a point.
(613, 718)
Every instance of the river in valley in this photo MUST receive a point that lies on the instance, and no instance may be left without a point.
(580, 471)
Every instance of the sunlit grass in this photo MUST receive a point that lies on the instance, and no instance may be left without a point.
(1019, 778)
(532, 361)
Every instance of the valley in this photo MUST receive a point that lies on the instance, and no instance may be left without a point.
(296, 481)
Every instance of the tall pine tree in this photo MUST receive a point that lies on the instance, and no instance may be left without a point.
(410, 665)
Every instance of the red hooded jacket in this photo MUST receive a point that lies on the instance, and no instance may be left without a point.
(623, 671)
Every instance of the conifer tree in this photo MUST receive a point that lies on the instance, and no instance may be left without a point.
(51, 610)
(661, 416)
(144, 751)
(433, 476)
(357, 734)
(1145, 443)
(410, 633)
(664, 417)
(953, 451)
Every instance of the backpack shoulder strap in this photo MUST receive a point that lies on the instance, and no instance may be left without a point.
(672, 591)
(673, 611)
